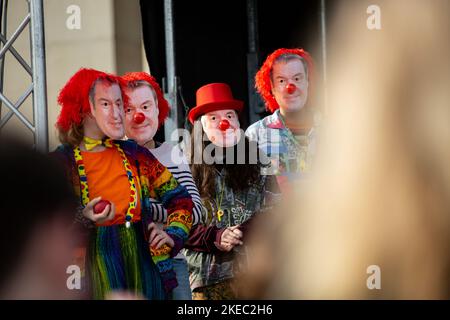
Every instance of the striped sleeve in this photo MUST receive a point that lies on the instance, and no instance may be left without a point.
(184, 177)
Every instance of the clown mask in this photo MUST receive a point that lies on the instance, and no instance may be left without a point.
(107, 109)
(290, 85)
(222, 127)
(141, 114)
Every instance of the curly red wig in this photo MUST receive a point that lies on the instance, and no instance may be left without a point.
(163, 105)
(263, 76)
(74, 96)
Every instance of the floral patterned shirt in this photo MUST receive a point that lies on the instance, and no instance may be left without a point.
(290, 155)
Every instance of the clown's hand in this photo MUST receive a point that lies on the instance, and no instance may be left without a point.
(106, 215)
(230, 238)
(159, 237)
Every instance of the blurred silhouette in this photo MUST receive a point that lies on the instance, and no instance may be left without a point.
(36, 210)
(380, 189)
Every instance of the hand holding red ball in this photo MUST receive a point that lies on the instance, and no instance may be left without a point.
(99, 211)
(100, 206)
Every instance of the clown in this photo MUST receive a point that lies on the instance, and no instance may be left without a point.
(232, 193)
(145, 113)
(287, 135)
(147, 109)
(117, 249)
(220, 123)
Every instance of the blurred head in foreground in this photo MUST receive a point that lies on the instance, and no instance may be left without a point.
(380, 193)
(36, 211)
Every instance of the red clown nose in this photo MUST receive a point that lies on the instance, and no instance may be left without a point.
(138, 118)
(291, 88)
(224, 125)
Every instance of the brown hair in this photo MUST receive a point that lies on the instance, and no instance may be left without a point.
(73, 136)
(237, 176)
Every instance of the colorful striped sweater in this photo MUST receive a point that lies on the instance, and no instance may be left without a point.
(156, 182)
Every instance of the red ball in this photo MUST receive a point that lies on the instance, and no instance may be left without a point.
(100, 206)
(224, 125)
(138, 118)
(291, 88)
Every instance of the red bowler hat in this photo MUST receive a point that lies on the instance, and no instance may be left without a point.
(213, 97)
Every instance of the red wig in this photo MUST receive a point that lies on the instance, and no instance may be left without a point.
(74, 96)
(163, 105)
(263, 76)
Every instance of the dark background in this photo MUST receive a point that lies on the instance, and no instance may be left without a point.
(211, 40)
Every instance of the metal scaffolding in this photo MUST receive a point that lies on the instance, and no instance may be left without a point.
(173, 120)
(35, 20)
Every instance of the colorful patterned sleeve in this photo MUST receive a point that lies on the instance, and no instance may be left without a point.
(157, 182)
(176, 200)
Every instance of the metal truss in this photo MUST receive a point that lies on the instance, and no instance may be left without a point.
(34, 19)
